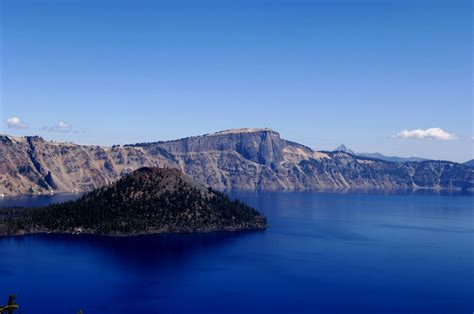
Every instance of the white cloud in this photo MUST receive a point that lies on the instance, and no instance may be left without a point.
(16, 123)
(62, 127)
(432, 133)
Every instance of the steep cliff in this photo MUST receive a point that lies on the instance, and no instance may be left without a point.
(249, 159)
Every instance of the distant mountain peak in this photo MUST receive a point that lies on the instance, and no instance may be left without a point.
(343, 148)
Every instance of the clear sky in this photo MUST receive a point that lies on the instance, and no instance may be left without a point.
(321, 73)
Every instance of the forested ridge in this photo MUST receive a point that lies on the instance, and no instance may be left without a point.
(149, 200)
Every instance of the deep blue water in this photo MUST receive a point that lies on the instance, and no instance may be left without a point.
(322, 253)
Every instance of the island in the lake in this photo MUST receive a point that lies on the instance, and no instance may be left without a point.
(149, 200)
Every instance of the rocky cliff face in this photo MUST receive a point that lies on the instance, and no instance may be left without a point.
(249, 159)
(33, 165)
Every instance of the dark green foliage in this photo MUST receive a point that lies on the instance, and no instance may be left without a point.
(11, 305)
(49, 180)
(148, 200)
(32, 154)
(24, 170)
(42, 183)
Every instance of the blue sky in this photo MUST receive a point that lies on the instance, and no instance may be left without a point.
(320, 72)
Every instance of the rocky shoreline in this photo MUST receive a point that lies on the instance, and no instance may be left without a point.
(18, 233)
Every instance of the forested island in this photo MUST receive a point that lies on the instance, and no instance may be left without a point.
(149, 200)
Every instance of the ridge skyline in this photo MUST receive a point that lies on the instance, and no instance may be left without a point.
(249, 130)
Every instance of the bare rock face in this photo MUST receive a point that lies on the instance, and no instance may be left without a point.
(248, 159)
(33, 165)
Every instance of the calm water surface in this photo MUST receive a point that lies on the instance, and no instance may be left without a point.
(322, 253)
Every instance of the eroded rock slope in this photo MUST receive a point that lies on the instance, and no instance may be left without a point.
(249, 159)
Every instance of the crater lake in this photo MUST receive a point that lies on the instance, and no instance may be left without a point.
(323, 252)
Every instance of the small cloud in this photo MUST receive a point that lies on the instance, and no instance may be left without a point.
(16, 123)
(432, 133)
(62, 127)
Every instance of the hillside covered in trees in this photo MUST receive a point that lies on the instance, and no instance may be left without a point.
(149, 200)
